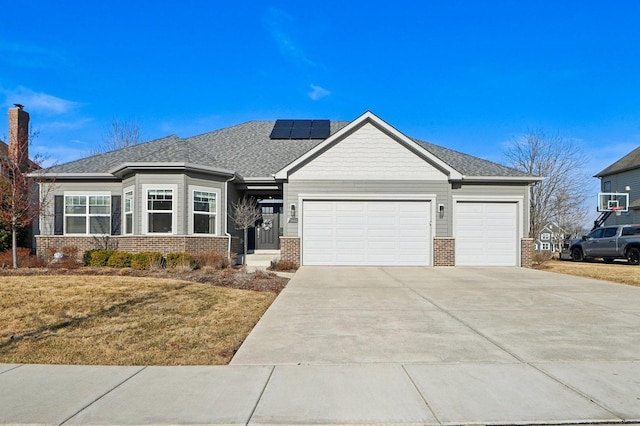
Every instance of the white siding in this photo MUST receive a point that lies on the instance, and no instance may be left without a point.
(368, 154)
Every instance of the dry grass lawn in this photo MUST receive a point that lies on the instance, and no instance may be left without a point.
(620, 272)
(119, 320)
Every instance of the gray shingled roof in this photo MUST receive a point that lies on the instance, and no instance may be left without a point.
(629, 161)
(247, 149)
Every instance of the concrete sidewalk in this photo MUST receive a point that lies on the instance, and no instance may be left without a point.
(381, 346)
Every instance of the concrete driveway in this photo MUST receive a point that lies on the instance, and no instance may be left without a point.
(445, 315)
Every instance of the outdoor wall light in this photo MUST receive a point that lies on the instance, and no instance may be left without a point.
(292, 210)
(441, 211)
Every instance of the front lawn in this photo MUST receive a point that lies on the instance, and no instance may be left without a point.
(125, 320)
(619, 271)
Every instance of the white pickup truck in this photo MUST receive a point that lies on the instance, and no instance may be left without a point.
(608, 243)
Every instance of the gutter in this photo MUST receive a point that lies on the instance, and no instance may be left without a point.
(226, 220)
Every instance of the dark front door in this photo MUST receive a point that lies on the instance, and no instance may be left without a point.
(268, 228)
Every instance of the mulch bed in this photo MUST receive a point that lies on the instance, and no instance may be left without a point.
(229, 277)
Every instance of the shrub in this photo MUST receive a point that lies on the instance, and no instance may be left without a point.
(147, 260)
(86, 257)
(181, 260)
(100, 257)
(70, 251)
(6, 257)
(540, 257)
(212, 260)
(283, 265)
(119, 259)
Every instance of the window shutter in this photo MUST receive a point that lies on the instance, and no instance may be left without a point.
(116, 213)
(58, 215)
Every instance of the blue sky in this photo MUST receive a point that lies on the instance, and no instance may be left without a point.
(468, 75)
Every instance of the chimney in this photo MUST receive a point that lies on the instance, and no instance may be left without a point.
(19, 136)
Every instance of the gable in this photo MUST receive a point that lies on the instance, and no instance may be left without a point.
(368, 154)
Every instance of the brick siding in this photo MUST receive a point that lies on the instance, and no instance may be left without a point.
(290, 249)
(527, 246)
(444, 251)
(134, 244)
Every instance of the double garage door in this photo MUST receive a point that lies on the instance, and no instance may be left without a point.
(366, 233)
(399, 233)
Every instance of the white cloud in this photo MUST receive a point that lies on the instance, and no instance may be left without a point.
(37, 102)
(318, 92)
(279, 24)
(28, 55)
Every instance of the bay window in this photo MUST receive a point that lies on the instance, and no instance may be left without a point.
(160, 211)
(128, 212)
(204, 212)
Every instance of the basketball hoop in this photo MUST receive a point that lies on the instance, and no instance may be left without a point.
(617, 210)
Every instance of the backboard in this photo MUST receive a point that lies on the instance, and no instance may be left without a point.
(613, 201)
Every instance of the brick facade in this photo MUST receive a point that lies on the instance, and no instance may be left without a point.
(444, 251)
(527, 246)
(290, 249)
(134, 244)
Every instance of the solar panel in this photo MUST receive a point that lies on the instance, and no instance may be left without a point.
(301, 129)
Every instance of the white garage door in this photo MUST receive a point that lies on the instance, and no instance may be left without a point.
(486, 234)
(366, 233)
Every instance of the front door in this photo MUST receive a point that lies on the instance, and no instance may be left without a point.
(268, 228)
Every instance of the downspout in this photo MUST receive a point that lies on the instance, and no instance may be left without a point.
(226, 217)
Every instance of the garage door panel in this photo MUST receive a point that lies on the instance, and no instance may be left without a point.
(486, 234)
(366, 233)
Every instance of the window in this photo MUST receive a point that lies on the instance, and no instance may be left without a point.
(606, 187)
(609, 232)
(87, 214)
(128, 212)
(596, 234)
(545, 236)
(204, 212)
(545, 246)
(160, 211)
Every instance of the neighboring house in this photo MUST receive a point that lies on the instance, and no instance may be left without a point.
(550, 239)
(623, 176)
(332, 193)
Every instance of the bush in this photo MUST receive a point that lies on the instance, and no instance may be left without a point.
(147, 260)
(181, 260)
(119, 259)
(86, 257)
(212, 260)
(283, 265)
(6, 257)
(100, 257)
(540, 257)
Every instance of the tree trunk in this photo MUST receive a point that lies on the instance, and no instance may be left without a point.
(246, 245)
(14, 246)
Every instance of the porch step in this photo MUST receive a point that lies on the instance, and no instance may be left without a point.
(261, 260)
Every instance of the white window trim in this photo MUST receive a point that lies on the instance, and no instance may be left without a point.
(545, 236)
(545, 246)
(133, 211)
(87, 215)
(192, 190)
(174, 208)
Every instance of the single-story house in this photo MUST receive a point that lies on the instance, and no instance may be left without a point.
(331, 192)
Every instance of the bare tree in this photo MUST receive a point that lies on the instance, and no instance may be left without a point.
(120, 134)
(244, 213)
(560, 198)
(19, 204)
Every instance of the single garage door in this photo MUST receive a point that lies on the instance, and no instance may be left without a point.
(366, 233)
(486, 234)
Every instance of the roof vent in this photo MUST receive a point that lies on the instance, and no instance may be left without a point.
(301, 129)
